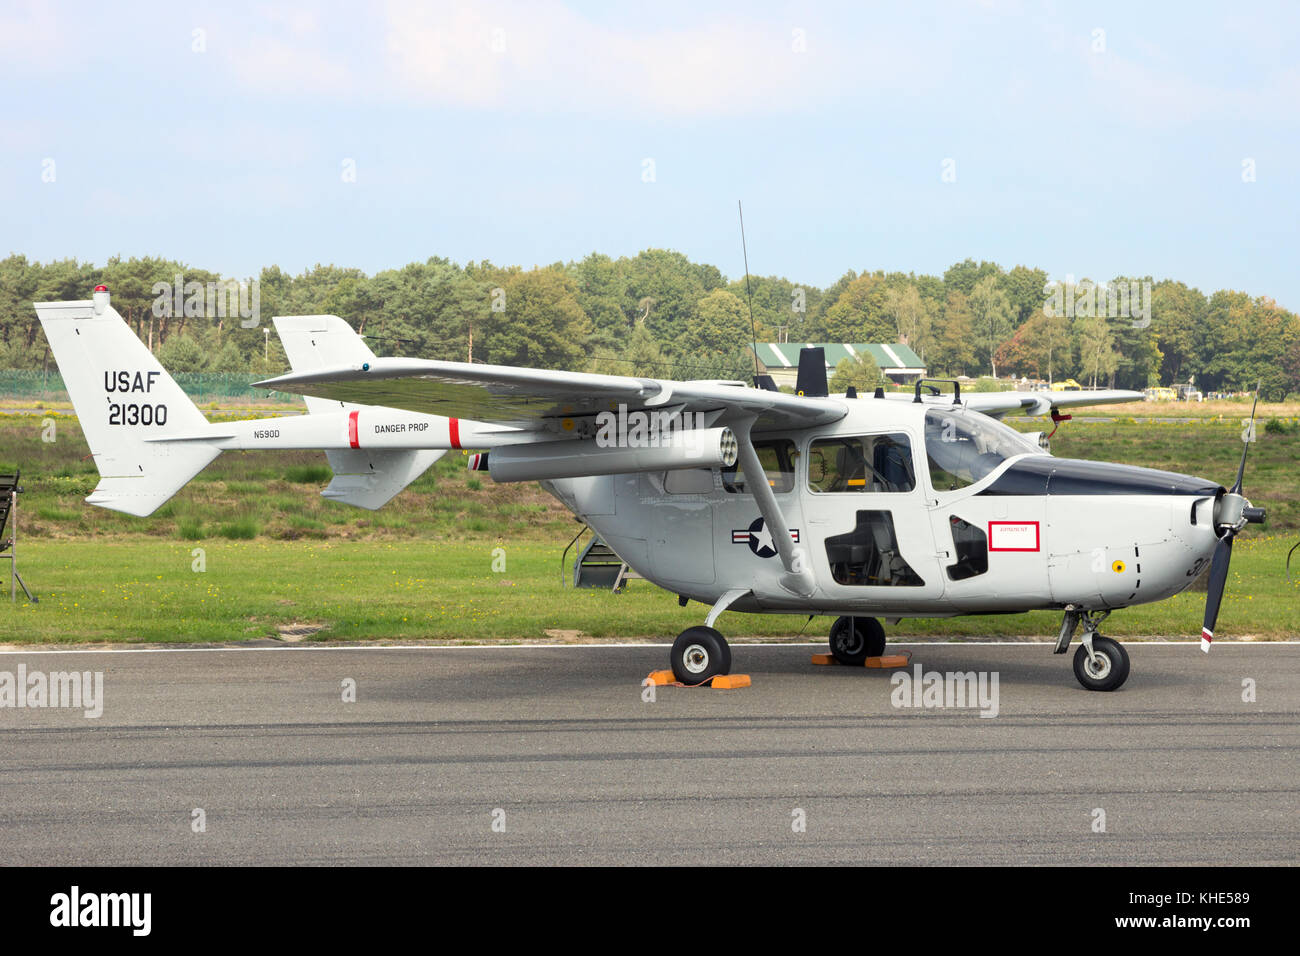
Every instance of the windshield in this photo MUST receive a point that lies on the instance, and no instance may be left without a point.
(964, 447)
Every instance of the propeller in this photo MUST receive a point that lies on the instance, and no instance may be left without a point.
(1232, 513)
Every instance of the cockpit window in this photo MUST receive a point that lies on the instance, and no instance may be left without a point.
(963, 447)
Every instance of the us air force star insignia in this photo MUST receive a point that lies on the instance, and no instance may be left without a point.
(759, 538)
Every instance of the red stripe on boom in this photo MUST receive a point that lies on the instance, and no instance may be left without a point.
(353, 439)
(453, 431)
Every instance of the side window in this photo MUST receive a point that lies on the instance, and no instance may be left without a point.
(777, 457)
(870, 463)
(972, 550)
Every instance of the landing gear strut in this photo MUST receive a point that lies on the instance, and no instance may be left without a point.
(1099, 663)
(854, 639)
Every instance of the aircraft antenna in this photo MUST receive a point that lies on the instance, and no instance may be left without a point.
(749, 296)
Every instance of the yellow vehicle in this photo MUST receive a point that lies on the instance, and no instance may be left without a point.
(1160, 394)
(1068, 385)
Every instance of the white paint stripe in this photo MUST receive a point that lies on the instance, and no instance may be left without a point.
(945, 642)
(893, 355)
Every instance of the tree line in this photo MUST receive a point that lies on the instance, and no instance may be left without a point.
(660, 314)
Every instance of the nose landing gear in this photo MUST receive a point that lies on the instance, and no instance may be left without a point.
(1100, 663)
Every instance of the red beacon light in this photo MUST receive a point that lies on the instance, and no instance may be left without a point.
(100, 299)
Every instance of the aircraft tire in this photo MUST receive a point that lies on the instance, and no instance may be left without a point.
(1113, 668)
(700, 654)
(854, 649)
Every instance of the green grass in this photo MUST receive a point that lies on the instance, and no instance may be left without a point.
(241, 529)
(49, 513)
(245, 488)
(143, 589)
(308, 474)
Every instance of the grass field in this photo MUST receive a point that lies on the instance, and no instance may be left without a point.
(141, 589)
(277, 555)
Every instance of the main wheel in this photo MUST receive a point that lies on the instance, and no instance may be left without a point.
(698, 654)
(854, 639)
(1110, 669)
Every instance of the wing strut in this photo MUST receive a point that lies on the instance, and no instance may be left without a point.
(798, 578)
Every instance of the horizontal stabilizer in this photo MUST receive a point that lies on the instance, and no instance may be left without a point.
(163, 471)
(370, 479)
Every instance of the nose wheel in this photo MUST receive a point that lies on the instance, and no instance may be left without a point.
(1100, 663)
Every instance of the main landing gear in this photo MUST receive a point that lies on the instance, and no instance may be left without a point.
(854, 639)
(700, 654)
(1099, 663)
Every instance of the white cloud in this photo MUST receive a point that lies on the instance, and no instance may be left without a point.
(535, 56)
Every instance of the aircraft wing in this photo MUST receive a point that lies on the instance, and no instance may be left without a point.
(529, 398)
(997, 404)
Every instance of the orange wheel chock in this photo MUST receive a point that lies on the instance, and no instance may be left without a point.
(888, 660)
(721, 682)
(730, 681)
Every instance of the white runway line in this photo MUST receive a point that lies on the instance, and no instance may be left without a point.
(517, 647)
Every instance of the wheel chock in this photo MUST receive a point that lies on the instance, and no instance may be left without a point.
(886, 661)
(721, 681)
(730, 681)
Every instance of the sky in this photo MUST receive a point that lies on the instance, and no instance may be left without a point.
(1089, 140)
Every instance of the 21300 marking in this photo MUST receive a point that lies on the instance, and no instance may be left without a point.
(137, 414)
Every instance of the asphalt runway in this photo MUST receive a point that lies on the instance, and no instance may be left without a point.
(557, 747)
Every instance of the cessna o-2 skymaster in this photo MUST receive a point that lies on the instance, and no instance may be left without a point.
(890, 506)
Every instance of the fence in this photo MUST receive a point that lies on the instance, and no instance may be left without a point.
(47, 386)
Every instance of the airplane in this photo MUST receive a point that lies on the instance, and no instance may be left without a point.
(740, 497)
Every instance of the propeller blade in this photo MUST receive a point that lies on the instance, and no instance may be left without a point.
(1214, 592)
(1241, 471)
